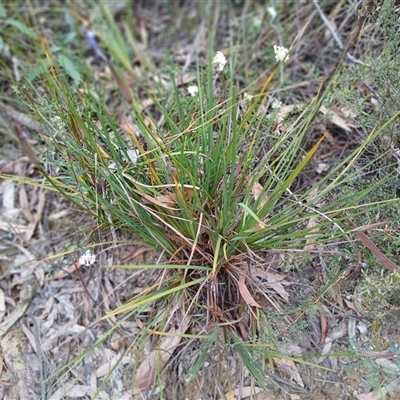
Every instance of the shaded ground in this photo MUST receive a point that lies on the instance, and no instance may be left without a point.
(50, 307)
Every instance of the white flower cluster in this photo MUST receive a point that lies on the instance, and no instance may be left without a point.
(272, 12)
(276, 104)
(57, 123)
(219, 61)
(193, 90)
(281, 53)
(247, 98)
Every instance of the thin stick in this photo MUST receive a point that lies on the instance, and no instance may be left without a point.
(335, 36)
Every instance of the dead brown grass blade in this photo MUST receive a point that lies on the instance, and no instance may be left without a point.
(122, 85)
(379, 256)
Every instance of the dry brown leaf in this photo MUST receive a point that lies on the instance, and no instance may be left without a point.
(269, 276)
(286, 110)
(156, 359)
(289, 368)
(379, 256)
(133, 253)
(278, 287)
(247, 297)
(12, 318)
(30, 337)
(339, 120)
(339, 332)
(27, 230)
(147, 370)
(65, 271)
(350, 305)
(164, 200)
(273, 282)
(324, 326)
(343, 118)
(256, 190)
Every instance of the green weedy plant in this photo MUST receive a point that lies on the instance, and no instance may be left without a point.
(204, 180)
(383, 374)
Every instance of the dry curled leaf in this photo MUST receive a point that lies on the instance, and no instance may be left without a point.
(324, 326)
(157, 358)
(165, 200)
(248, 298)
(274, 283)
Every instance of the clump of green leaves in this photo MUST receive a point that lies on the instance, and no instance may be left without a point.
(380, 293)
(205, 179)
(382, 374)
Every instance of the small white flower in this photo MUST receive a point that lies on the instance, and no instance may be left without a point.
(219, 61)
(281, 53)
(272, 12)
(57, 123)
(87, 258)
(276, 104)
(193, 90)
(247, 98)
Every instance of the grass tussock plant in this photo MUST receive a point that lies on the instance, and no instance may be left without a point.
(204, 177)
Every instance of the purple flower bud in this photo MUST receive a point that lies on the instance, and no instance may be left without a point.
(92, 44)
